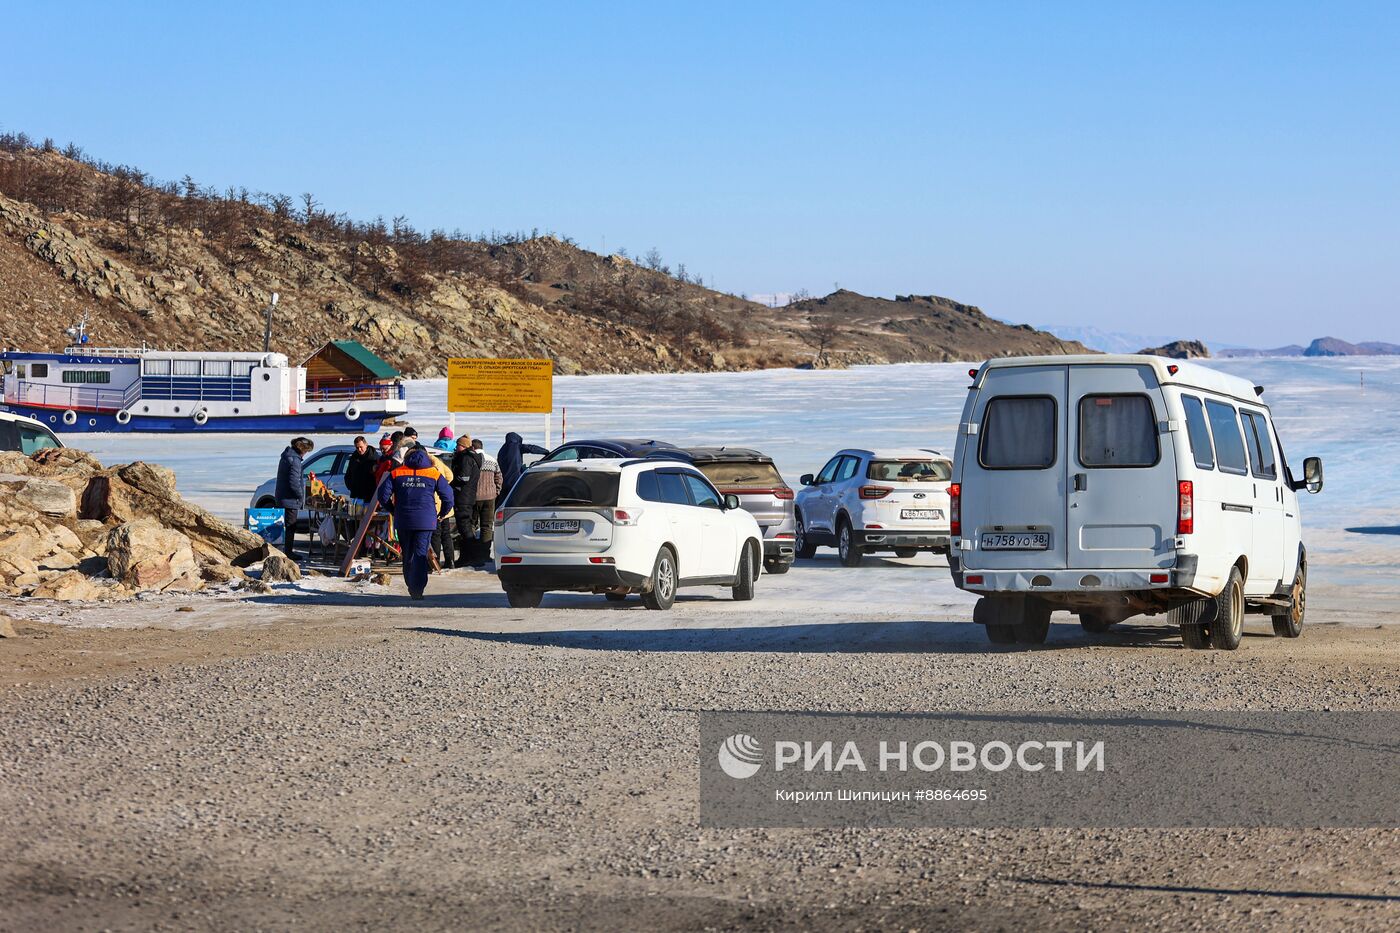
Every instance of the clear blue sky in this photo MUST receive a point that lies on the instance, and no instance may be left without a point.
(1226, 170)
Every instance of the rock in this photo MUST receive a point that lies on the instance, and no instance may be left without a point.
(7, 627)
(139, 490)
(26, 543)
(42, 495)
(218, 572)
(15, 564)
(1180, 350)
(71, 586)
(279, 568)
(59, 560)
(145, 556)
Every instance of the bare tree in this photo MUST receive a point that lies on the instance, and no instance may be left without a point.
(822, 337)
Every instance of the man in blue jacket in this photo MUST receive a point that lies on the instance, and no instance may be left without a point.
(291, 486)
(421, 495)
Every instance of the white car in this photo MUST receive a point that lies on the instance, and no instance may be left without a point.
(24, 435)
(1113, 486)
(864, 501)
(623, 526)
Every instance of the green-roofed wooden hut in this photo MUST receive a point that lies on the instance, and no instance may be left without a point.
(346, 364)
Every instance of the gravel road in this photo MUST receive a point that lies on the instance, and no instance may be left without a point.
(346, 761)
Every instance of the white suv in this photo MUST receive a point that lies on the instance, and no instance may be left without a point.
(875, 500)
(622, 526)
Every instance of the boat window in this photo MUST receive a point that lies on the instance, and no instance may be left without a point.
(184, 367)
(155, 368)
(1229, 445)
(217, 368)
(19, 370)
(87, 376)
(1018, 433)
(1117, 431)
(243, 367)
(39, 371)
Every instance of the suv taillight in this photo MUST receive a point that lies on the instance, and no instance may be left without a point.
(626, 516)
(783, 492)
(955, 509)
(875, 492)
(500, 516)
(1185, 508)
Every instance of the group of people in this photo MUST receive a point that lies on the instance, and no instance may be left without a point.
(443, 497)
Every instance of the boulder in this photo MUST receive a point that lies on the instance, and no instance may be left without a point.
(7, 627)
(146, 556)
(72, 586)
(44, 496)
(279, 568)
(15, 565)
(25, 542)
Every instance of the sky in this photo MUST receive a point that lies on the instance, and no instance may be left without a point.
(1228, 171)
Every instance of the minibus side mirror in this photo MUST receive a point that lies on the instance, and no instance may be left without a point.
(1312, 475)
(806, 479)
(731, 502)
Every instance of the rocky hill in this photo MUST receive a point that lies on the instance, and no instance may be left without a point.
(1322, 346)
(1180, 350)
(181, 266)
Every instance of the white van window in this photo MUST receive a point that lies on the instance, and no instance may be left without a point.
(1018, 433)
(1261, 452)
(1229, 445)
(1197, 431)
(1117, 431)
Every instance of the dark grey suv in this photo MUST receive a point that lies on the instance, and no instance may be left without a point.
(752, 477)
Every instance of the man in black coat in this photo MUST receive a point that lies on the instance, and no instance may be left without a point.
(511, 458)
(466, 467)
(359, 471)
(291, 486)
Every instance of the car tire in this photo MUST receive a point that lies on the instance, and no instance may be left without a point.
(266, 502)
(662, 593)
(1226, 626)
(776, 566)
(989, 612)
(524, 597)
(743, 591)
(846, 546)
(1190, 618)
(906, 552)
(615, 597)
(1033, 624)
(1096, 623)
(804, 549)
(1289, 624)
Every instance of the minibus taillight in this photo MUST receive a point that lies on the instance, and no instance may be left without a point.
(1185, 508)
(955, 509)
(875, 492)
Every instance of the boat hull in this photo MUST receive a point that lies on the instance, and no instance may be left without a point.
(106, 423)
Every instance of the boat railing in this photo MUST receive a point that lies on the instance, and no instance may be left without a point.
(85, 350)
(77, 398)
(351, 393)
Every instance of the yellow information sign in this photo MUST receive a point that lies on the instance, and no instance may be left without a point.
(512, 386)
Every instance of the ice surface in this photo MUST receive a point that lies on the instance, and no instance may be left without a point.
(801, 417)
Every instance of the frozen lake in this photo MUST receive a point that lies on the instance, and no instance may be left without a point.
(801, 417)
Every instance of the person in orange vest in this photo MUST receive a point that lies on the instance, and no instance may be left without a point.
(421, 496)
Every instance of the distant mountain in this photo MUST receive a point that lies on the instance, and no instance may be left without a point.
(916, 328)
(1107, 341)
(1322, 346)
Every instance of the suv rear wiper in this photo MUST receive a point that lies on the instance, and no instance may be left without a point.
(565, 500)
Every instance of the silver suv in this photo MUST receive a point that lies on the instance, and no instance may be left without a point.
(752, 476)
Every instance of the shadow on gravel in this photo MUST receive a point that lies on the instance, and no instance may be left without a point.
(384, 600)
(1195, 889)
(830, 638)
(1375, 530)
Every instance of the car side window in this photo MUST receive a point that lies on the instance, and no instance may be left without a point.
(323, 463)
(701, 493)
(1198, 433)
(566, 453)
(1229, 444)
(671, 487)
(828, 472)
(648, 488)
(1261, 451)
(847, 468)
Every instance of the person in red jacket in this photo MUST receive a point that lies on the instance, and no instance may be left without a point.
(421, 496)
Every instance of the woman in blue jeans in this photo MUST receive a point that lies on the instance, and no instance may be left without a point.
(421, 496)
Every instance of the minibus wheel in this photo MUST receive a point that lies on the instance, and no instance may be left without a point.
(1096, 622)
(990, 613)
(1034, 624)
(1227, 625)
(1190, 618)
(1290, 623)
